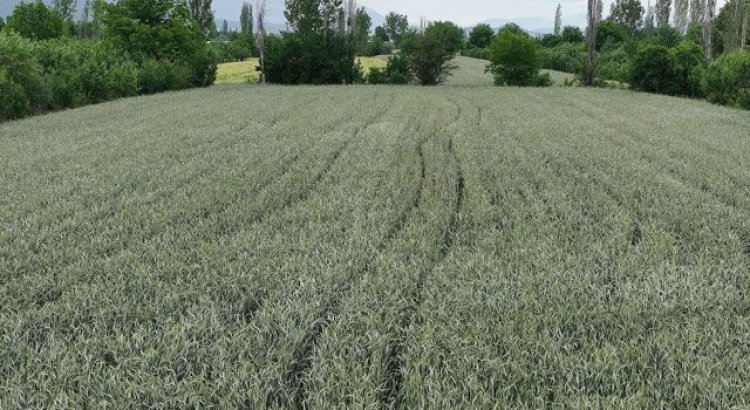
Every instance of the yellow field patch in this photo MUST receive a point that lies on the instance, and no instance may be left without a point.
(368, 62)
(237, 72)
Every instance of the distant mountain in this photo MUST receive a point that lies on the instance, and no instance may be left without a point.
(538, 25)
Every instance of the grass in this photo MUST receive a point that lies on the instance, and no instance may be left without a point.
(395, 247)
(237, 72)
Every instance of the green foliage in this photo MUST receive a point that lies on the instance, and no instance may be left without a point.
(727, 80)
(396, 25)
(238, 47)
(57, 74)
(2, 24)
(429, 56)
(665, 36)
(689, 69)
(551, 40)
(161, 30)
(481, 36)
(381, 33)
(363, 24)
(24, 88)
(376, 46)
(36, 21)
(610, 35)
(511, 27)
(451, 34)
(653, 70)
(162, 75)
(614, 65)
(628, 13)
(203, 15)
(567, 57)
(515, 60)
(246, 18)
(315, 58)
(572, 34)
(397, 71)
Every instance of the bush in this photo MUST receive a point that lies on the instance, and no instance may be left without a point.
(566, 57)
(239, 47)
(162, 75)
(610, 35)
(376, 47)
(614, 65)
(572, 34)
(652, 70)
(450, 34)
(23, 88)
(727, 80)
(36, 21)
(429, 56)
(315, 58)
(515, 60)
(481, 36)
(161, 30)
(551, 40)
(689, 70)
(58, 74)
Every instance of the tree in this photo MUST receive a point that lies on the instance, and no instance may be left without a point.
(515, 60)
(451, 34)
(558, 19)
(224, 29)
(90, 25)
(652, 70)
(649, 22)
(66, 8)
(663, 11)
(395, 26)
(260, 39)
(429, 56)
(590, 75)
(629, 13)
(36, 21)
(610, 35)
(161, 31)
(2, 24)
(246, 18)
(201, 12)
(599, 11)
(381, 33)
(481, 36)
(320, 49)
(697, 8)
(689, 68)
(707, 21)
(362, 26)
(572, 34)
(681, 15)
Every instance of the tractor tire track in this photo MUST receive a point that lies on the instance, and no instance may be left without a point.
(302, 358)
(391, 395)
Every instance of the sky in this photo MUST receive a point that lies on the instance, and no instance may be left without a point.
(468, 12)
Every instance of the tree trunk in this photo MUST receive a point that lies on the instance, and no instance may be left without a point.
(708, 29)
(590, 77)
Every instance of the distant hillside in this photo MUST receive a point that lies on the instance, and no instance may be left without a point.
(538, 25)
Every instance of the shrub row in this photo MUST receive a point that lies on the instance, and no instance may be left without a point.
(37, 77)
(654, 67)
